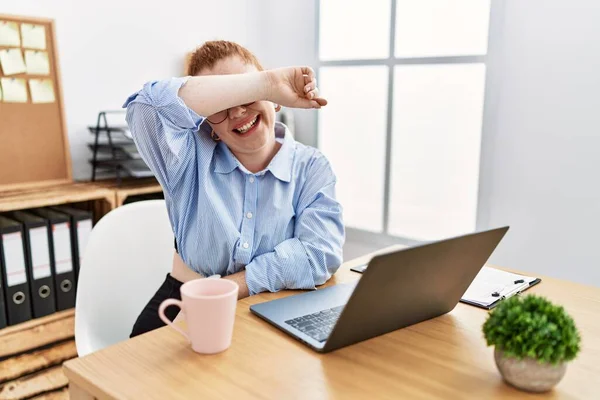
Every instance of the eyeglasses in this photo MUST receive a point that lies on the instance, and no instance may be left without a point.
(222, 115)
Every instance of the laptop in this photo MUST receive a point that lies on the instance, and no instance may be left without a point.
(397, 289)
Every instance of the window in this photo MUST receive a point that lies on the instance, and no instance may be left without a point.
(405, 81)
(353, 30)
(437, 28)
(354, 147)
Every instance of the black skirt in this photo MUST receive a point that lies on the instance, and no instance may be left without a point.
(149, 320)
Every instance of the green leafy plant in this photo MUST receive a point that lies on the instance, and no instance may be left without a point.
(531, 326)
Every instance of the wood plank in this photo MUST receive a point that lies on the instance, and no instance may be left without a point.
(125, 183)
(77, 393)
(122, 195)
(54, 195)
(48, 185)
(23, 18)
(52, 199)
(33, 185)
(62, 394)
(130, 187)
(50, 379)
(37, 336)
(15, 367)
(37, 321)
(101, 208)
(60, 96)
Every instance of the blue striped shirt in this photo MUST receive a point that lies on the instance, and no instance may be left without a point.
(283, 225)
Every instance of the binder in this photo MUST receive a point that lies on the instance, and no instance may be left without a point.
(14, 272)
(3, 320)
(81, 228)
(61, 256)
(37, 261)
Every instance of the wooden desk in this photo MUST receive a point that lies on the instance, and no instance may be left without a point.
(443, 358)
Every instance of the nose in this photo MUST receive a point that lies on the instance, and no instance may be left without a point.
(237, 112)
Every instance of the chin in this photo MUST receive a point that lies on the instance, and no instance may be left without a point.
(251, 146)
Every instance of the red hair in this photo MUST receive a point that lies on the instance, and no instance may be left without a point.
(207, 55)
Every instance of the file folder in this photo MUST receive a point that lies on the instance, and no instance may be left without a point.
(61, 257)
(37, 261)
(81, 227)
(3, 320)
(14, 272)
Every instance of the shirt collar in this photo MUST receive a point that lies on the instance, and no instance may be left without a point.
(225, 161)
(280, 166)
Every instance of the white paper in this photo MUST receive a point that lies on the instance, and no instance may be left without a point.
(490, 280)
(14, 259)
(63, 258)
(84, 229)
(13, 90)
(37, 62)
(41, 90)
(12, 61)
(9, 34)
(40, 252)
(34, 36)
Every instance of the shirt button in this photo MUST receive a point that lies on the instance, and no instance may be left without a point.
(249, 215)
(246, 245)
(251, 179)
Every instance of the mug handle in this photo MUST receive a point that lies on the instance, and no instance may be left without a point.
(161, 313)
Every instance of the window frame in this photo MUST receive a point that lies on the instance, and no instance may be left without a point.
(390, 62)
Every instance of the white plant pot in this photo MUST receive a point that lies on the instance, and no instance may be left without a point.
(528, 374)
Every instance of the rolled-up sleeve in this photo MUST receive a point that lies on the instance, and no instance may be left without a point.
(314, 254)
(162, 127)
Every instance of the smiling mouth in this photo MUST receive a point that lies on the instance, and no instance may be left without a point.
(248, 127)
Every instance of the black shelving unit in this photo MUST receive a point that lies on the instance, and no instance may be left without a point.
(113, 150)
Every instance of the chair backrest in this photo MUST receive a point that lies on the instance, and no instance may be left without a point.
(129, 252)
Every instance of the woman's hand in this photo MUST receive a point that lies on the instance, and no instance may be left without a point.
(294, 87)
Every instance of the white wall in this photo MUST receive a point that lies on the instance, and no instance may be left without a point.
(286, 36)
(541, 147)
(108, 49)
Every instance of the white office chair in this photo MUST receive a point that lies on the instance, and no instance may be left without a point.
(126, 259)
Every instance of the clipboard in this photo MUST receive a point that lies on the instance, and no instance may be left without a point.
(492, 285)
(489, 281)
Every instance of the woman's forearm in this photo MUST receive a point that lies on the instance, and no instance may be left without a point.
(209, 94)
(183, 273)
(240, 279)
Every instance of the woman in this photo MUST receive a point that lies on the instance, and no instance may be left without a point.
(245, 200)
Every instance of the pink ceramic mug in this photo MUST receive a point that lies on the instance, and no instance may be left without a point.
(209, 308)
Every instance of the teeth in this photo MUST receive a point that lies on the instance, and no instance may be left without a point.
(245, 128)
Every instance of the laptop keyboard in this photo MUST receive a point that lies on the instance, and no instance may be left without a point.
(317, 325)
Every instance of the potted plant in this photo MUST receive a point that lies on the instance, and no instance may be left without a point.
(533, 339)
